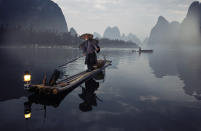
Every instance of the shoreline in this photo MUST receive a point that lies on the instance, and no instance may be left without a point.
(58, 47)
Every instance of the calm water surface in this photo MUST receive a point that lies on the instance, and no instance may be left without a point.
(158, 92)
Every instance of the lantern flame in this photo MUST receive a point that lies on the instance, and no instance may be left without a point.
(27, 78)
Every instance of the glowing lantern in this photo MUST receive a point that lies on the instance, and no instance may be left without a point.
(27, 80)
(27, 77)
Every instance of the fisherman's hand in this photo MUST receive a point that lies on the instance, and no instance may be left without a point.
(97, 50)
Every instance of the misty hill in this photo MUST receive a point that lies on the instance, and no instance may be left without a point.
(116, 43)
(97, 35)
(165, 33)
(34, 23)
(113, 33)
(191, 25)
(41, 15)
(131, 37)
(146, 40)
(73, 32)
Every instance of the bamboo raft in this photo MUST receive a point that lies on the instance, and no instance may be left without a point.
(146, 51)
(143, 51)
(70, 82)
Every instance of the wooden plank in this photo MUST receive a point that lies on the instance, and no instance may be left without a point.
(69, 82)
(83, 77)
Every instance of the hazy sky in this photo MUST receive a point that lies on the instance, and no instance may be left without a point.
(136, 16)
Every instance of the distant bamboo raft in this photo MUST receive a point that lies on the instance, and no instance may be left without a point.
(146, 50)
(143, 51)
(70, 82)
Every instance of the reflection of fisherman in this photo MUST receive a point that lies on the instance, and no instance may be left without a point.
(90, 47)
(89, 95)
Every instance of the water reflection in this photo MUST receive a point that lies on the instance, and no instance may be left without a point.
(182, 62)
(163, 62)
(139, 93)
(88, 95)
(189, 68)
(43, 100)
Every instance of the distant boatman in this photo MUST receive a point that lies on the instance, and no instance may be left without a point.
(90, 47)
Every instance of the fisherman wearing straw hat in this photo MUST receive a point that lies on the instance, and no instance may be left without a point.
(90, 47)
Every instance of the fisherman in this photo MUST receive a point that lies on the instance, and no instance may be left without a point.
(140, 49)
(90, 47)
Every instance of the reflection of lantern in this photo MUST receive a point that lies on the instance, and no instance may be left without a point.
(27, 110)
(27, 79)
(27, 116)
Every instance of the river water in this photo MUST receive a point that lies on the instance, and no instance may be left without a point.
(157, 91)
